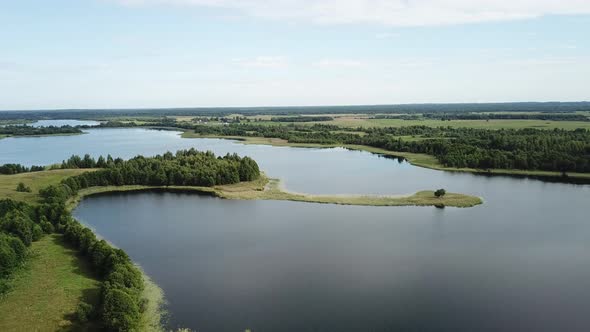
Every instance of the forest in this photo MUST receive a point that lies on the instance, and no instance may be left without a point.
(298, 110)
(315, 118)
(121, 302)
(9, 169)
(524, 149)
(25, 130)
(448, 116)
(507, 116)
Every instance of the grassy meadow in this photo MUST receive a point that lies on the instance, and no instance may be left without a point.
(366, 122)
(46, 291)
(34, 180)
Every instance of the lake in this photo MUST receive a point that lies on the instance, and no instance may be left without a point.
(60, 123)
(519, 262)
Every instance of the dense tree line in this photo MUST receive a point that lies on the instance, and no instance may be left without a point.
(185, 168)
(21, 224)
(302, 119)
(19, 227)
(121, 301)
(298, 110)
(18, 168)
(507, 116)
(526, 149)
(35, 131)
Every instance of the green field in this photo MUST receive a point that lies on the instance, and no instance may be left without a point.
(365, 122)
(46, 291)
(35, 180)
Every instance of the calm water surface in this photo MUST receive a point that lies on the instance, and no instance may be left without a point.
(520, 262)
(59, 123)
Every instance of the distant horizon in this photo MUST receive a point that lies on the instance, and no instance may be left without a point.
(103, 54)
(288, 106)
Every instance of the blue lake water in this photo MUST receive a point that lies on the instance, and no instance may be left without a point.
(520, 262)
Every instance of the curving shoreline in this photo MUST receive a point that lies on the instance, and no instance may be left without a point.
(265, 188)
(416, 159)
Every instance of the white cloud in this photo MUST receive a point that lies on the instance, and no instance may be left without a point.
(388, 12)
(261, 62)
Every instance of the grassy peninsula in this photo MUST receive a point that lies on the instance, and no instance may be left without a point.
(264, 188)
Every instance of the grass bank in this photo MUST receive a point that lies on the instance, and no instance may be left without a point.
(270, 189)
(46, 291)
(416, 159)
(34, 180)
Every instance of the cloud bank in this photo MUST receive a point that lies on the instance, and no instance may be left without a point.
(399, 13)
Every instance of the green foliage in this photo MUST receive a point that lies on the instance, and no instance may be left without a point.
(36, 131)
(525, 149)
(84, 312)
(21, 187)
(12, 253)
(18, 224)
(10, 169)
(121, 301)
(440, 193)
(315, 118)
(120, 311)
(185, 168)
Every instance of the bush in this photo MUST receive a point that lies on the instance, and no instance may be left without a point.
(12, 253)
(84, 312)
(18, 224)
(46, 226)
(440, 193)
(120, 312)
(22, 188)
(37, 232)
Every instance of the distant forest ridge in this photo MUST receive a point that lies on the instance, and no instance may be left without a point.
(550, 107)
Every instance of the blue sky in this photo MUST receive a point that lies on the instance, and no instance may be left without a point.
(185, 53)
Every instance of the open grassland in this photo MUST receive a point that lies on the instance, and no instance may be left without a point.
(270, 189)
(34, 180)
(366, 122)
(416, 159)
(46, 291)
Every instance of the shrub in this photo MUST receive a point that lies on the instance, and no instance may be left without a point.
(17, 224)
(21, 187)
(440, 193)
(120, 312)
(84, 312)
(12, 253)
(37, 232)
(46, 226)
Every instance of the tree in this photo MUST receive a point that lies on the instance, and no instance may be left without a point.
(120, 313)
(22, 188)
(440, 193)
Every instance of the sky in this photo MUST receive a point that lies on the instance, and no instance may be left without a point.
(62, 54)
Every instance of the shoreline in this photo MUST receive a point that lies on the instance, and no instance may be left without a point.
(416, 159)
(270, 189)
(43, 135)
(261, 189)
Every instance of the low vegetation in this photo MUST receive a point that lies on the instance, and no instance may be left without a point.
(121, 304)
(526, 149)
(25, 130)
(46, 289)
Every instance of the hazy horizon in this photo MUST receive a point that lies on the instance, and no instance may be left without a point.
(224, 53)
